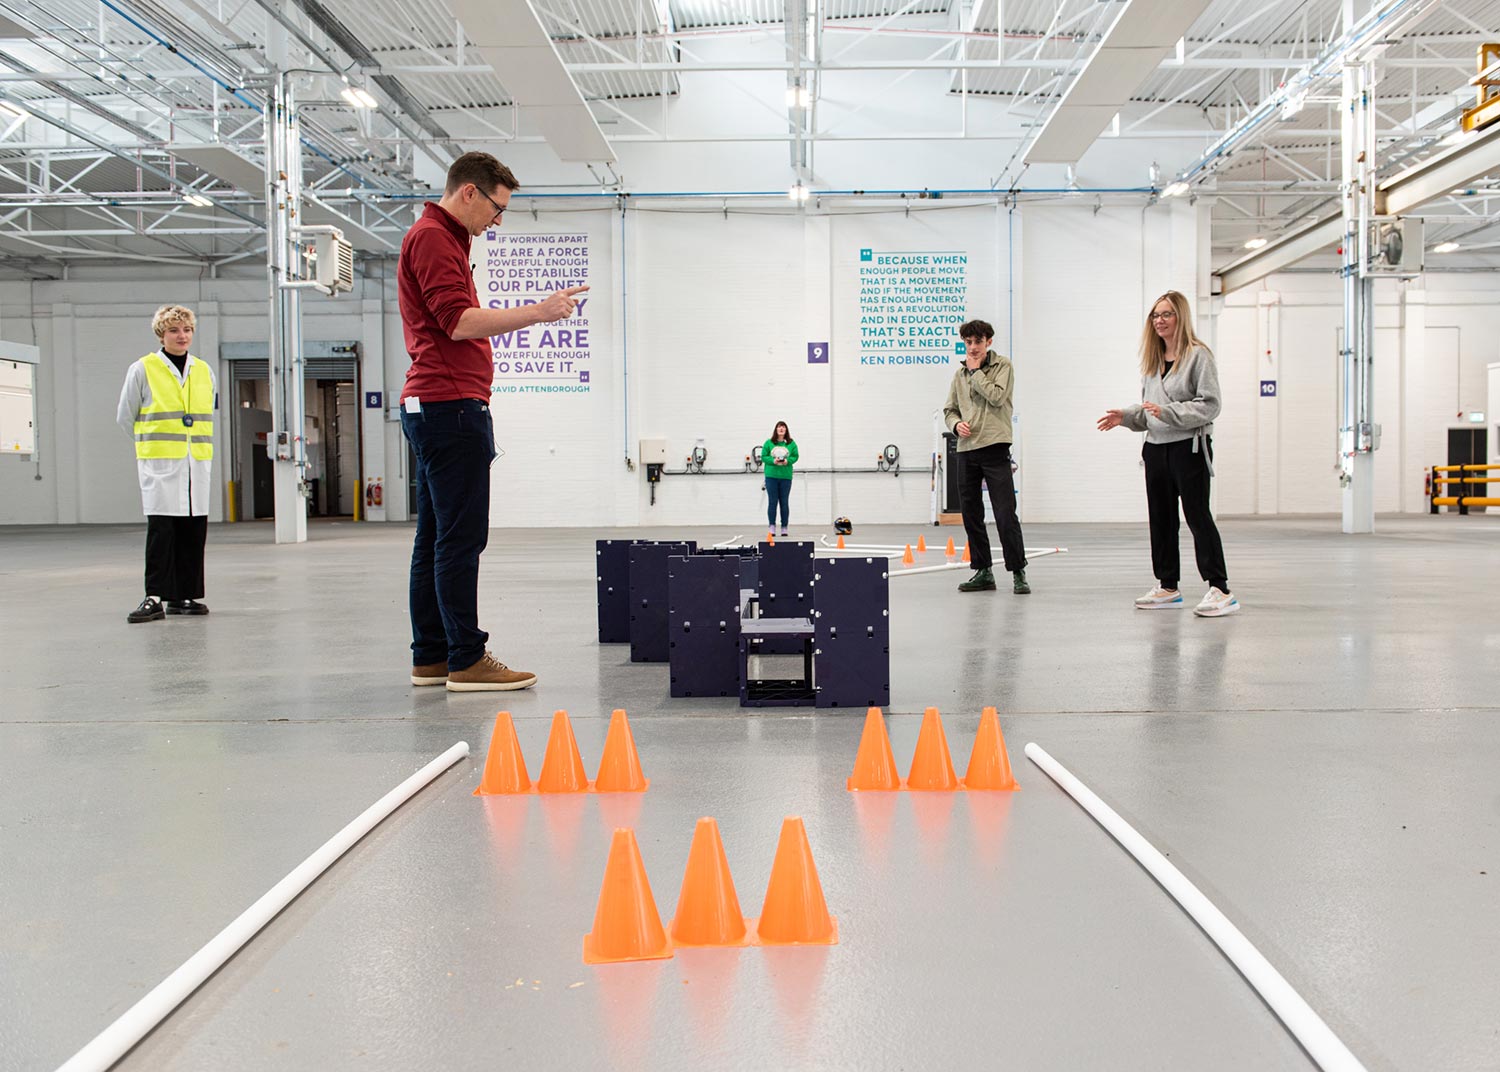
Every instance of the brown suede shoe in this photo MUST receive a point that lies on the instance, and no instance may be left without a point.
(489, 675)
(430, 674)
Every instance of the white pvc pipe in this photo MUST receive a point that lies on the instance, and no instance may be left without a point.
(928, 569)
(1321, 1044)
(727, 542)
(118, 1038)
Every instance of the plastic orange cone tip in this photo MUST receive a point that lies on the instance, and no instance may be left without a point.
(771, 538)
(966, 552)
(562, 766)
(620, 766)
(989, 763)
(908, 559)
(708, 911)
(921, 544)
(931, 766)
(626, 924)
(874, 766)
(505, 766)
(795, 912)
(841, 542)
(950, 552)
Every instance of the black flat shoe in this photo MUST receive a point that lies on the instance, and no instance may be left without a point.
(150, 610)
(186, 606)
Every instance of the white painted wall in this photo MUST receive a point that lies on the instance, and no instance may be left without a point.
(700, 325)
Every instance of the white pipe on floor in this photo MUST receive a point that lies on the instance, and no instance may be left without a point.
(1321, 1044)
(118, 1038)
(927, 569)
(727, 542)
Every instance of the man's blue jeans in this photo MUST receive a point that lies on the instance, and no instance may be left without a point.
(454, 443)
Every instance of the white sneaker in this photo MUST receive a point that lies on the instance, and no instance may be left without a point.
(1216, 604)
(1158, 599)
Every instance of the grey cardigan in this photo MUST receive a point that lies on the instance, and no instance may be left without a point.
(1189, 399)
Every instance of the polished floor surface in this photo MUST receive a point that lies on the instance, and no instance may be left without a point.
(1323, 765)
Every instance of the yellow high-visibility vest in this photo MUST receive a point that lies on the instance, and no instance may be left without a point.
(179, 417)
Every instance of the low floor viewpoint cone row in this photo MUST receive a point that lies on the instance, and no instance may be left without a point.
(931, 765)
(628, 927)
(562, 766)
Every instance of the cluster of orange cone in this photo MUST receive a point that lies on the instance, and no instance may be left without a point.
(931, 766)
(628, 927)
(562, 766)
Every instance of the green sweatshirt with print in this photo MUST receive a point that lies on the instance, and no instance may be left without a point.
(781, 472)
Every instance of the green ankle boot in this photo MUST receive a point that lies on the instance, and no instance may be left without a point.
(982, 581)
(1018, 583)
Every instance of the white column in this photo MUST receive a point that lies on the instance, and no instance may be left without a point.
(372, 418)
(1268, 407)
(1410, 437)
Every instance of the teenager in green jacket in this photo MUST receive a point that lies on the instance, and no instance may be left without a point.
(779, 454)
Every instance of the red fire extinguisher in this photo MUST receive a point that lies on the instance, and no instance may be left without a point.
(373, 495)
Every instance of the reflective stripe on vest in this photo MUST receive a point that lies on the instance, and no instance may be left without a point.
(162, 430)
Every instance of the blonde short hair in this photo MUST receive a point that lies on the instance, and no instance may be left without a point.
(170, 316)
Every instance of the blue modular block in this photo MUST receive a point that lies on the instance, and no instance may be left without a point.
(612, 571)
(703, 624)
(648, 598)
(852, 650)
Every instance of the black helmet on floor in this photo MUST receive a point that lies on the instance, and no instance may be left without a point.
(843, 526)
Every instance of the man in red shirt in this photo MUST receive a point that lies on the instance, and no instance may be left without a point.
(445, 413)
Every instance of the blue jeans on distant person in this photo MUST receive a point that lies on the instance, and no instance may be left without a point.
(454, 443)
(778, 491)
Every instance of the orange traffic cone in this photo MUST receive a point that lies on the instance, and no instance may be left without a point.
(907, 559)
(771, 538)
(794, 912)
(620, 766)
(874, 765)
(931, 766)
(989, 763)
(504, 766)
(966, 552)
(950, 552)
(921, 544)
(626, 923)
(841, 542)
(708, 911)
(562, 766)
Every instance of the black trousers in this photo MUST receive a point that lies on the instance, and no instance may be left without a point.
(174, 556)
(1175, 472)
(990, 465)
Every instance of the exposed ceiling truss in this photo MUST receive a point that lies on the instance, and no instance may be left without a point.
(107, 107)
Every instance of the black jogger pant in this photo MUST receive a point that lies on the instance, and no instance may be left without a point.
(1175, 471)
(174, 556)
(990, 465)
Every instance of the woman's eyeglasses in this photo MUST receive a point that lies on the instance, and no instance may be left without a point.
(1162, 316)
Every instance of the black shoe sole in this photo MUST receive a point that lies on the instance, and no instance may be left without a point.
(138, 621)
(188, 613)
(980, 588)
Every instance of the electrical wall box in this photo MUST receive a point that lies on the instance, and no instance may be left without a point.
(653, 452)
(334, 264)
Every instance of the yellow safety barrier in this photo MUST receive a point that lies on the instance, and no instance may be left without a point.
(232, 501)
(1463, 502)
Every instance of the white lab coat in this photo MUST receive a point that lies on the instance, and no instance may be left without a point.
(176, 487)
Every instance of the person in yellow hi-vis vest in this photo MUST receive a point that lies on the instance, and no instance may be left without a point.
(167, 406)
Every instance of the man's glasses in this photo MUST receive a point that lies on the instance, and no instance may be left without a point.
(499, 208)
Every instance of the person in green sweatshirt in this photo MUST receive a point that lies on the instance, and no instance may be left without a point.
(779, 454)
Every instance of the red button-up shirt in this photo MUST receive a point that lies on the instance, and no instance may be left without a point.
(434, 285)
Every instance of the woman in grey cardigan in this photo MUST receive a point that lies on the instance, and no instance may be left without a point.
(1179, 401)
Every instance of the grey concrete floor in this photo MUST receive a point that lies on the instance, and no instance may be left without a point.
(1323, 766)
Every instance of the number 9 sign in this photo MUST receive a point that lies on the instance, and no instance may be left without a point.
(817, 353)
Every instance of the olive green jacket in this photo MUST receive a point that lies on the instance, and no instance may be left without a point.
(983, 399)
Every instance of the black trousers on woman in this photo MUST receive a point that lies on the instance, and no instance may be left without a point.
(1174, 471)
(174, 556)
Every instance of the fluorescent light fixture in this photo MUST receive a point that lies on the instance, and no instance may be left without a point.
(797, 193)
(1255, 243)
(197, 199)
(358, 97)
(1455, 137)
(14, 109)
(1293, 104)
(1175, 189)
(1445, 247)
(798, 97)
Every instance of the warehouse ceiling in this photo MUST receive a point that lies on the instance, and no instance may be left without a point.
(133, 129)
